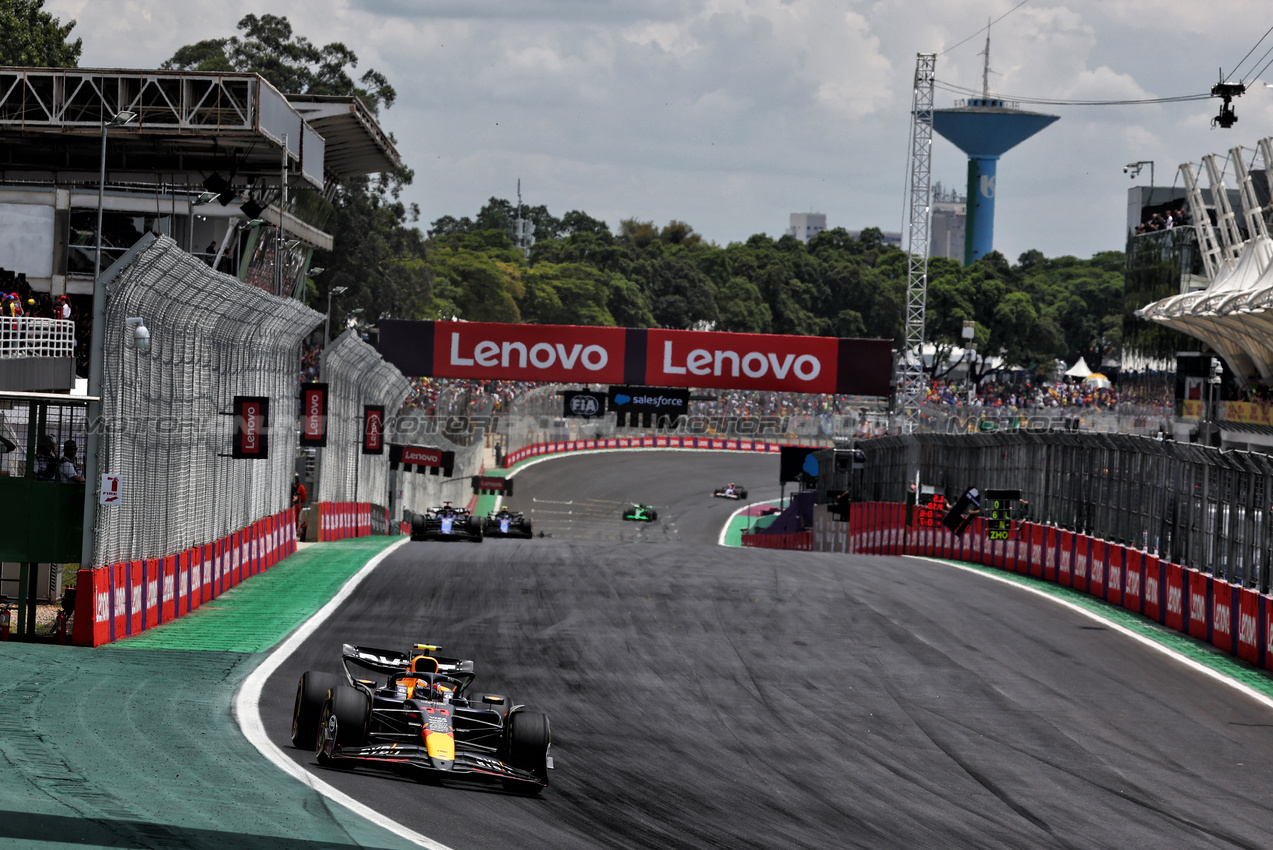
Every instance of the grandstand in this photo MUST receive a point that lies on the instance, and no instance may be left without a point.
(1224, 265)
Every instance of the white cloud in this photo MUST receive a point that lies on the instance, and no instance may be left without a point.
(731, 114)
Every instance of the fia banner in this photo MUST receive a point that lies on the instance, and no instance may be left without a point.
(373, 429)
(313, 414)
(583, 404)
(251, 427)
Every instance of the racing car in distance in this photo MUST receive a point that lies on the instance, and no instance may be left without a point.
(640, 513)
(730, 491)
(413, 711)
(506, 523)
(446, 523)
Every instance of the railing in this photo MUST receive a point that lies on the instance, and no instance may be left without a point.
(25, 336)
(1191, 504)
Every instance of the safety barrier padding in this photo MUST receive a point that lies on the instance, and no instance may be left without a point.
(342, 520)
(670, 442)
(119, 600)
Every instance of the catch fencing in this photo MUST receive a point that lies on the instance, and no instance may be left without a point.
(357, 376)
(167, 411)
(1189, 504)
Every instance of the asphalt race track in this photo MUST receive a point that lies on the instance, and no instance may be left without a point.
(710, 697)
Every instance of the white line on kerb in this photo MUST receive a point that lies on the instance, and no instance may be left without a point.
(1123, 630)
(247, 711)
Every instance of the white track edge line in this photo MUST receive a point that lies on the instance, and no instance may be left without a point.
(1196, 666)
(247, 711)
(720, 541)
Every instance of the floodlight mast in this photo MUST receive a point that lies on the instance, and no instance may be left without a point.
(911, 383)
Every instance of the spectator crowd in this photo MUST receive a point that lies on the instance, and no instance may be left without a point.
(1164, 221)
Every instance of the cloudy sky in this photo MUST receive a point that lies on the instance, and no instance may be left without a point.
(732, 114)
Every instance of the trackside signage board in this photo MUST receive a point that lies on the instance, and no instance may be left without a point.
(528, 352)
(637, 356)
(741, 361)
(417, 456)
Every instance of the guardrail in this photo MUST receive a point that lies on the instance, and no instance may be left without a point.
(1198, 506)
(127, 598)
(25, 336)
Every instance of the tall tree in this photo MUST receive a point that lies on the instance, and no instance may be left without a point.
(378, 253)
(31, 37)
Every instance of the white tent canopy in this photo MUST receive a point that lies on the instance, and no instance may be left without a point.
(1078, 370)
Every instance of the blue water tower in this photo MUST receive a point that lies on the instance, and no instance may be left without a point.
(985, 129)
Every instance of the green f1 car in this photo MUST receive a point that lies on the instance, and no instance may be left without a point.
(640, 513)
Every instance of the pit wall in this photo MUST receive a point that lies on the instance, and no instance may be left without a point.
(124, 599)
(1234, 619)
(654, 442)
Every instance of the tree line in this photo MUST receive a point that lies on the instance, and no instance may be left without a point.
(580, 272)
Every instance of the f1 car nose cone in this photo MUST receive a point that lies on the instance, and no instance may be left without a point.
(442, 764)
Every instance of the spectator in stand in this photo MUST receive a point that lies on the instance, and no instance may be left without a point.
(68, 469)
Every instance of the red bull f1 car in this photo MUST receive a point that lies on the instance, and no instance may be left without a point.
(446, 523)
(730, 491)
(506, 523)
(414, 711)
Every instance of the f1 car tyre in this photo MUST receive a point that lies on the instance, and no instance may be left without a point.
(311, 693)
(528, 739)
(417, 525)
(346, 716)
(475, 528)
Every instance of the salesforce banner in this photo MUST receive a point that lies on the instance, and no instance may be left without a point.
(638, 356)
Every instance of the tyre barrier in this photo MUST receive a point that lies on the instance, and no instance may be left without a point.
(655, 442)
(1234, 619)
(120, 600)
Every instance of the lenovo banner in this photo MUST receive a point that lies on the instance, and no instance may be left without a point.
(491, 485)
(313, 414)
(659, 358)
(251, 427)
(422, 458)
(373, 429)
(564, 353)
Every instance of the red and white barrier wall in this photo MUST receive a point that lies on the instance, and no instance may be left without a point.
(655, 442)
(1234, 619)
(120, 600)
(802, 540)
(342, 520)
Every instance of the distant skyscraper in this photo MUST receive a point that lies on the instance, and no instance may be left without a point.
(805, 226)
(950, 215)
